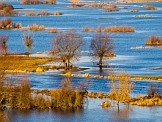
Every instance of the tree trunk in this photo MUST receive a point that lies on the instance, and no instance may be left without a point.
(118, 105)
(100, 63)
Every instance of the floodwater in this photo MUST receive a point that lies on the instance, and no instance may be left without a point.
(131, 55)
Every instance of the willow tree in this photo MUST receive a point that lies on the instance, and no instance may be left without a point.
(66, 47)
(3, 43)
(28, 41)
(101, 48)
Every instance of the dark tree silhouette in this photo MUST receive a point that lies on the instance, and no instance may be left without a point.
(67, 47)
(28, 41)
(3, 43)
(101, 47)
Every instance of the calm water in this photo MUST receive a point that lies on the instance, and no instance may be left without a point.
(127, 46)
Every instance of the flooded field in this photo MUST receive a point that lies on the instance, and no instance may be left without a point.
(132, 55)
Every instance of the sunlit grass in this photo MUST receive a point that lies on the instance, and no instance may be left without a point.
(22, 63)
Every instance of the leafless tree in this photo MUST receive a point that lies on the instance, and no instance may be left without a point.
(67, 47)
(3, 43)
(28, 41)
(101, 47)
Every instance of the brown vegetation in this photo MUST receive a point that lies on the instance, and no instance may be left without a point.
(120, 89)
(87, 29)
(133, 10)
(28, 41)
(52, 30)
(119, 29)
(95, 5)
(109, 29)
(20, 96)
(6, 23)
(101, 45)
(44, 13)
(16, 63)
(66, 47)
(7, 10)
(3, 44)
(149, 7)
(35, 27)
(154, 41)
(38, 1)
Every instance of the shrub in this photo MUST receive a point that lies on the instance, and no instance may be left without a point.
(3, 43)
(154, 41)
(149, 7)
(119, 29)
(87, 29)
(6, 23)
(67, 97)
(52, 30)
(38, 1)
(36, 27)
(7, 10)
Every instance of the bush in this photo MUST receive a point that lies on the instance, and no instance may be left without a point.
(87, 29)
(21, 96)
(7, 10)
(67, 97)
(149, 7)
(38, 1)
(119, 29)
(36, 27)
(6, 23)
(52, 30)
(154, 41)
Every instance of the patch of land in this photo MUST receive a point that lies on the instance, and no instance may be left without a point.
(17, 63)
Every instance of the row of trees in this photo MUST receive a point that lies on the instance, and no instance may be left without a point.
(67, 46)
(27, 39)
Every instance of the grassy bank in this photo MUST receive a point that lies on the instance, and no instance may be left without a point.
(11, 63)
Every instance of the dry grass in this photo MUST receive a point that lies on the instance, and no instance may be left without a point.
(87, 29)
(22, 63)
(154, 41)
(149, 7)
(35, 27)
(20, 96)
(119, 29)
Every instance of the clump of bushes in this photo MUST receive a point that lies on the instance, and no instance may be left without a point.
(44, 13)
(111, 10)
(67, 97)
(154, 41)
(3, 44)
(6, 10)
(6, 23)
(53, 30)
(133, 10)
(149, 7)
(87, 29)
(38, 1)
(119, 29)
(20, 96)
(35, 27)
(109, 29)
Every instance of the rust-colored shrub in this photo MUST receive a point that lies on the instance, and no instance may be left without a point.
(154, 41)
(149, 7)
(36, 27)
(119, 29)
(87, 29)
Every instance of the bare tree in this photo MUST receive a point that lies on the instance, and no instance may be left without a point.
(102, 47)
(28, 41)
(3, 43)
(67, 47)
